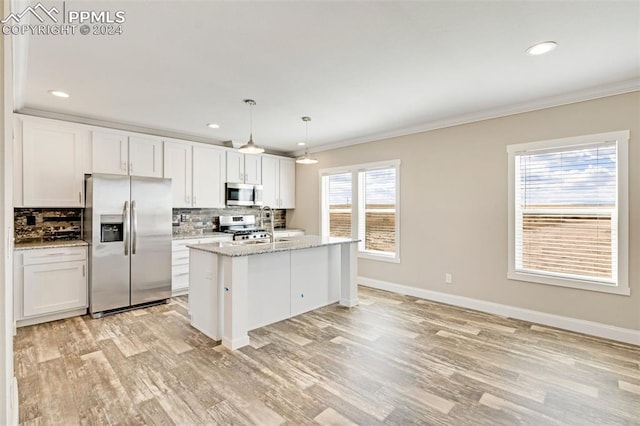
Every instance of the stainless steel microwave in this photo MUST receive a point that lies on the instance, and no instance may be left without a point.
(242, 194)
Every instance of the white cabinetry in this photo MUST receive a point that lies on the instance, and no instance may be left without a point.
(180, 262)
(52, 164)
(197, 172)
(309, 278)
(278, 182)
(120, 154)
(49, 284)
(208, 176)
(244, 168)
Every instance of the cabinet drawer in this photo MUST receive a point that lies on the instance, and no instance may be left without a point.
(53, 255)
(180, 271)
(180, 277)
(182, 244)
(180, 257)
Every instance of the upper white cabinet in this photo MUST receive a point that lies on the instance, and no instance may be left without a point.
(197, 172)
(177, 167)
(278, 182)
(52, 164)
(117, 153)
(244, 168)
(209, 169)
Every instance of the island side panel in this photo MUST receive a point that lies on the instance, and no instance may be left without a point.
(348, 274)
(236, 298)
(269, 288)
(310, 280)
(204, 299)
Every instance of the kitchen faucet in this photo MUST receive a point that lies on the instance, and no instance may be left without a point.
(262, 217)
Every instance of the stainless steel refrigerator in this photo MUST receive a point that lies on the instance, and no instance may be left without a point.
(127, 224)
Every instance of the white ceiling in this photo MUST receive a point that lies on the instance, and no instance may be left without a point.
(360, 70)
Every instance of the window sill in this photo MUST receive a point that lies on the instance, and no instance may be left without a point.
(380, 257)
(570, 283)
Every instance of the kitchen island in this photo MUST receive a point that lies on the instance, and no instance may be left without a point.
(234, 288)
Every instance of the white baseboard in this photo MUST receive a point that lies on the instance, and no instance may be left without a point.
(572, 324)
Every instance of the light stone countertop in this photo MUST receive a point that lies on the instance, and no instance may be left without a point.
(208, 234)
(294, 243)
(212, 234)
(288, 230)
(50, 244)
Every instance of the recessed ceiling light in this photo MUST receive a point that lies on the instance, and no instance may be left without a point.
(59, 93)
(213, 125)
(542, 48)
(301, 144)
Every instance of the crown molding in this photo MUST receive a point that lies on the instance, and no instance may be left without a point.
(617, 88)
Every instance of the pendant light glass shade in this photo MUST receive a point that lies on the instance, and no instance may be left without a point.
(250, 147)
(306, 158)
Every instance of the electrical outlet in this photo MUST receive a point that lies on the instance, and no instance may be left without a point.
(448, 278)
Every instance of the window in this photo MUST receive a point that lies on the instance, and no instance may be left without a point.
(568, 212)
(339, 198)
(363, 201)
(377, 221)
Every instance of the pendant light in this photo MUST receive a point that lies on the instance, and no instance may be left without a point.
(306, 158)
(250, 147)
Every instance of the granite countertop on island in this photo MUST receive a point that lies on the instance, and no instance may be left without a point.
(234, 249)
(49, 244)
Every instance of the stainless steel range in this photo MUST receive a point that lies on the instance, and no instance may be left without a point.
(243, 227)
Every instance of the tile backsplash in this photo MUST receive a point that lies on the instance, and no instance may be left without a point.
(50, 224)
(40, 225)
(194, 221)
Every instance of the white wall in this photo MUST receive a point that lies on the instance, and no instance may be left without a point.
(454, 207)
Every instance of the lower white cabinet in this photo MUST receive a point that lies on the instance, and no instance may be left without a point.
(49, 284)
(180, 262)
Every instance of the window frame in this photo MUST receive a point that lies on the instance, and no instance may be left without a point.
(620, 283)
(357, 205)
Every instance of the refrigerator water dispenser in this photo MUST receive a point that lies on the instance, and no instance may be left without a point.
(111, 228)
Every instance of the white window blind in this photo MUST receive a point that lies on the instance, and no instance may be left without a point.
(377, 223)
(339, 198)
(566, 211)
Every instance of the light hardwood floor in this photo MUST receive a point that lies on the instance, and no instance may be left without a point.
(391, 360)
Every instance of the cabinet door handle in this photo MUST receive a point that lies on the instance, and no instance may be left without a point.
(188, 199)
(83, 270)
(131, 167)
(80, 197)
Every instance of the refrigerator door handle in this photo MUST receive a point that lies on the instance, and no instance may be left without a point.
(135, 228)
(125, 215)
